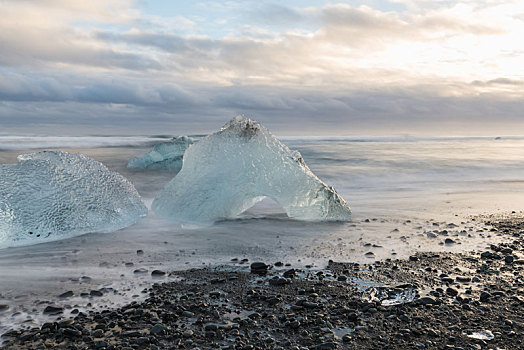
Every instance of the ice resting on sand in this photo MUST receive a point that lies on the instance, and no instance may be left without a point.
(230, 170)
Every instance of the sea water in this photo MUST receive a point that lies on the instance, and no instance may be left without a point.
(404, 193)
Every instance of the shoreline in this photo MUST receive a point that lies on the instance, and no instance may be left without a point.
(469, 300)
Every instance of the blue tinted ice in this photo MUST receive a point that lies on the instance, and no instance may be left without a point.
(229, 171)
(52, 195)
(165, 155)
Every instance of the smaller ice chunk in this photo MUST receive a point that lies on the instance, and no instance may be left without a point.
(229, 171)
(52, 195)
(482, 334)
(165, 155)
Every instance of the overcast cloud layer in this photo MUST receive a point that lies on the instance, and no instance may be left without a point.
(310, 67)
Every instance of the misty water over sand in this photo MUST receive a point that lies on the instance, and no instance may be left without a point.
(404, 194)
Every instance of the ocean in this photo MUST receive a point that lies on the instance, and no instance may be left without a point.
(404, 193)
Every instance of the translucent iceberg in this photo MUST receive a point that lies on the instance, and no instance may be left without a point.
(165, 155)
(53, 195)
(229, 171)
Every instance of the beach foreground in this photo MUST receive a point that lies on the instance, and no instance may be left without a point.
(470, 300)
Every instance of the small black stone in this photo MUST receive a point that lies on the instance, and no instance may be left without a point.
(96, 293)
(259, 268)
(53, 310)
(452, 292)
(485, 296)
(67, 294)
(72, 333)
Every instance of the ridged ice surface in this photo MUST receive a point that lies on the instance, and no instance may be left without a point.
(165, 155)
(52, 195)
(229, 171)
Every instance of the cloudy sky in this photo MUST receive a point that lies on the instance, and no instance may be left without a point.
(377, 67)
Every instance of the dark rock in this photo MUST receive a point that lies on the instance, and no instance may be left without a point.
(463, 279)
(3, 307)
(142, 341)
(53, 310)
(139, 252)
(99, 344)
(131, 334)
(326, 346)
(158, 329)
(485, 296)
(67, 294)
(259, 268)
(140, 270)
(98, 333)
(452, 292)
(426, 301)
(96, 293)
(158, 273)
(278, 281)
(290, 273)
(26, 336)
(449, 241)
(72, 333)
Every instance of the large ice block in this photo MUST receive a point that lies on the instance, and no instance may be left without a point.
(229, 171)
(52, 195)
(165, 155)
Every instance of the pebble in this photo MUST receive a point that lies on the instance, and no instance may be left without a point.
(96, 293)
(278, 281)
(67, 294)
(485, 296)
(53, 310)
(259, 268)
(158, 329)
(452, 292)
(72, 333)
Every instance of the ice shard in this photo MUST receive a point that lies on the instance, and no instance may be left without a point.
(165, 155)
(52, 195)
(229, 171)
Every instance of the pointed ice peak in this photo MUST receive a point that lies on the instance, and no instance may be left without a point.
(243, 126)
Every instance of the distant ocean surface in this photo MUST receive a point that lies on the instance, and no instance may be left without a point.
(398, 188)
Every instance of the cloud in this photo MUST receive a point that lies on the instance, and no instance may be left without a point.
(432, 62)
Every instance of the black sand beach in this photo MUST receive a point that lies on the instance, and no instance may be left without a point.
(472, 300)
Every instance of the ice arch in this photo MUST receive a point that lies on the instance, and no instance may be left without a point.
(229, 171)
